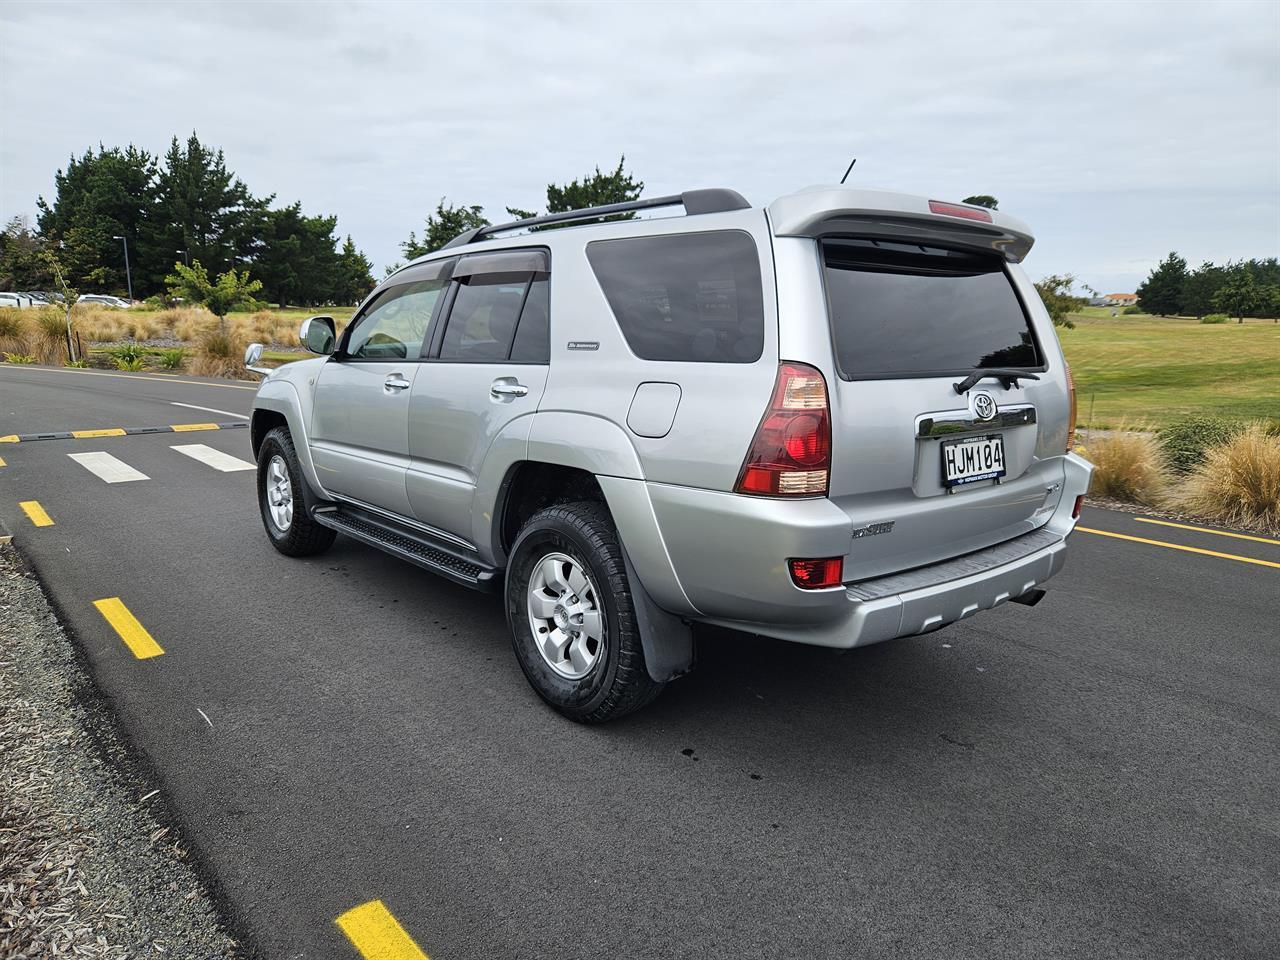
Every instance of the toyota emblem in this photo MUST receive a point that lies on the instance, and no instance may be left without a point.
(984, 406)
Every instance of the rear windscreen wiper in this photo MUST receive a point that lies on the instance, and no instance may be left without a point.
(1009, 376)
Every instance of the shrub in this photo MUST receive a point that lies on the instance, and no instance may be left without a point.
(1127, 466)
(172, 359)
(11, 330)
(129, 363)
(49, 344)
(1184, 442)
(79, 364)
(1239, 481)
(1132, 310)
(128, 353)
(219, 354)
(19, 358)
(1215, 318)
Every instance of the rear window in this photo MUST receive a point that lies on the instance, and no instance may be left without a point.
(685, 297)
(901, 310)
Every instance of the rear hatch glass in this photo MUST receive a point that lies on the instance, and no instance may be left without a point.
(905, 310)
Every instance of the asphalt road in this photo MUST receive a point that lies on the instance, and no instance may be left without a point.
(1097, 776)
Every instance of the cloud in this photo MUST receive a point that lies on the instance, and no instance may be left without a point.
(1119, 131)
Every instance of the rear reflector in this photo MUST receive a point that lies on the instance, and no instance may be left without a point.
(959, 210)
(817, 574)
(790, 455)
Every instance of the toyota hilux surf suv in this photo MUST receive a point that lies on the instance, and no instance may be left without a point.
(840, 419)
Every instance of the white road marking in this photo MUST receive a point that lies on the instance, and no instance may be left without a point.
(214, 458)
(107, 467)
(225, 413)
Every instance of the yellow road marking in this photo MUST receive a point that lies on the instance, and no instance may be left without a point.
(125, 376)
(1216, 533)
(11, 438)
(36, 513)
(124, 623)
(90, 434)
(2, 463)
(188, 427)
(377, 934)
(1178, 546)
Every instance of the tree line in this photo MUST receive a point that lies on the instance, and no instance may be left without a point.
(1241, 288)
(184, 207)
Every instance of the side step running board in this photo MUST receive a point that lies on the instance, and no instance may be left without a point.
(412, 545)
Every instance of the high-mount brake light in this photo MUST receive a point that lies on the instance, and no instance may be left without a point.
(817, 574)
(1071, 408)
(959, 210)
(790, 455)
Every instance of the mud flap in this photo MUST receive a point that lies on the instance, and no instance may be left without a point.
(667, 640)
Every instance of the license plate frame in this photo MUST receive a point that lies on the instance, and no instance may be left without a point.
(995, 466)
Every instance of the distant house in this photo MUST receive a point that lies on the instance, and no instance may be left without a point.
(1119, 299)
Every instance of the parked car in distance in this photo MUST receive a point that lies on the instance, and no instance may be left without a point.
(19, 300)
(838, 420)
(106, 300)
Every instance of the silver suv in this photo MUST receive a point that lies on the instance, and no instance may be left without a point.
(838, 420)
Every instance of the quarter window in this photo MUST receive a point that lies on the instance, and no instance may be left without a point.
(533, 335)
(685, 297)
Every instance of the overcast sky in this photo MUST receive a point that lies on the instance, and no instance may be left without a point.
(1119, 131)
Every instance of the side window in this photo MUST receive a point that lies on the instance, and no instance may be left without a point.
(394, 327)
(482, 322)
(685, 297)
(533, 335)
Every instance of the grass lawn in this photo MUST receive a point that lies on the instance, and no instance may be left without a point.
(1142, 370)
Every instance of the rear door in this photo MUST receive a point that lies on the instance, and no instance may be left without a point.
(927, 471)
(487, 367)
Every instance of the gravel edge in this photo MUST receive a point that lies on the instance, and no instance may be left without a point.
(90, 866)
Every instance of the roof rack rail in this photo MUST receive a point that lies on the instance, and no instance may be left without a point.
(714, 200)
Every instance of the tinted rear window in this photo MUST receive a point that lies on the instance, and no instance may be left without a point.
(904, 310)
(685, 297)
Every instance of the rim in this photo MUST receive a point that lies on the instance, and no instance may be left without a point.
(566, 616)
(279, 490)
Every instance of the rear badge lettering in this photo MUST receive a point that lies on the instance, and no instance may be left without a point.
(584, 344)
(873, 529)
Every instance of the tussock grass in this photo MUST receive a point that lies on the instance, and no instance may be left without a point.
(1239, 482)
(48, 342)
(219, 354)
(1127, 466)
(12, 331)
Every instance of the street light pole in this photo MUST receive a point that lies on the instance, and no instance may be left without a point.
(186, 257)
(128, 274)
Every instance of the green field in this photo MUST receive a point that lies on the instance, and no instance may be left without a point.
(1146, 371)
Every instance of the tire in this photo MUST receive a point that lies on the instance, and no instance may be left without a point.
(564, 537)
(301, 536)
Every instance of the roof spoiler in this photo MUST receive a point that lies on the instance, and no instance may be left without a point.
(901, 217)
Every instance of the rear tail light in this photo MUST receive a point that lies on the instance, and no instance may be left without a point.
(817, 574)
(1071, 408)
(1079, 505)
(790, 455)
(959, 210)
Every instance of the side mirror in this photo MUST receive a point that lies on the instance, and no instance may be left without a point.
(318, 335)
(252, 354)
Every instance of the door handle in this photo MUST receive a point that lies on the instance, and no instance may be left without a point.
(508, 387)
(396, 382)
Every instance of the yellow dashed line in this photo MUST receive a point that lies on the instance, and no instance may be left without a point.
(2, 463)
(124, 623)
(11, 438)
(377, 934)
(90, 434)
(36, 513)
(188, 427)
(1216, 533)
(1178, 546)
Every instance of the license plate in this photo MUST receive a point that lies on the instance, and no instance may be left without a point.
(968, 461)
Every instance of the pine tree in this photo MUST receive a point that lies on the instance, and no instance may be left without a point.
(1161, 293)
(442, 226)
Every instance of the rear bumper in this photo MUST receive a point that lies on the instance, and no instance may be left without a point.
(903, 605)
(731, 590)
